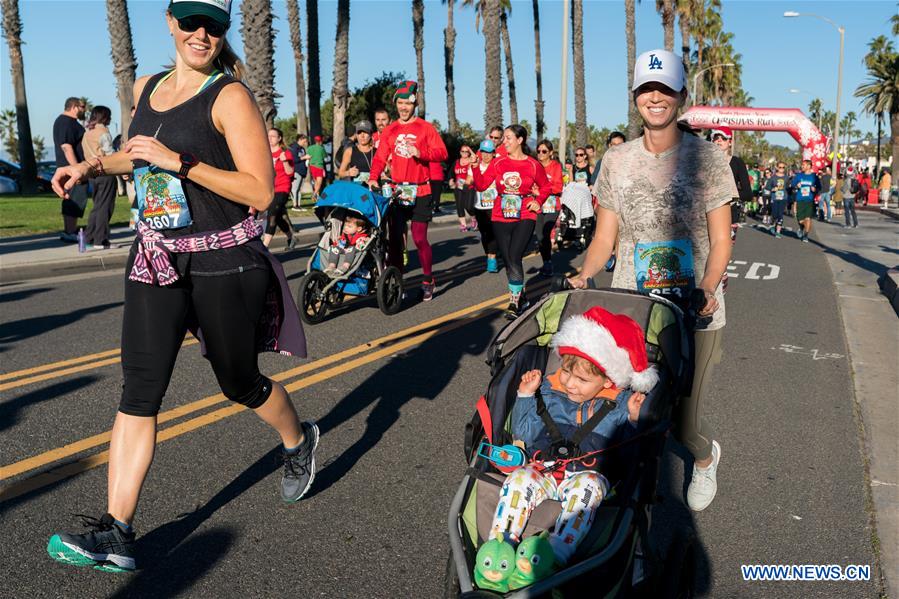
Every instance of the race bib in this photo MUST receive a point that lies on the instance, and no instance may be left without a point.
(460, 183)
(161, 203)
(665, 268)
(511, 205)
(362, 177)
(407, 194)
(386, 190)
(805, 191)
(549, 206)
(779, 194)
(580, 177)
(486, 199)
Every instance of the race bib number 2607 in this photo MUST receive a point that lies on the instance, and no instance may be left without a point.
(161, 203)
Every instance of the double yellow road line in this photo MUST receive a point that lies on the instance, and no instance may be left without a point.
(346, 360)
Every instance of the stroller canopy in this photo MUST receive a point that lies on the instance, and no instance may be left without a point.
(355, 197)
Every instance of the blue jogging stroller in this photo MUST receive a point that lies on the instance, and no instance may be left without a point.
(320, 291)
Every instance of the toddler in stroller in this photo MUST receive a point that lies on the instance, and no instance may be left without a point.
(592, 401)
(353, 237)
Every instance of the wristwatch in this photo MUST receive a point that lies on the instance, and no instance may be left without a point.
(188, 161)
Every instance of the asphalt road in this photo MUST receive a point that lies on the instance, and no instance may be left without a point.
(392, 412)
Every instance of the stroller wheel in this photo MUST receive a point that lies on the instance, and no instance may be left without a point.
(313, 305)
(390, 290)
(334, 298)
(678, 578)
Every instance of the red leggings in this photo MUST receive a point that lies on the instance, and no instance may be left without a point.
(419, 237)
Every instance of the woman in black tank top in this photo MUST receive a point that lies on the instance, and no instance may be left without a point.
(199, 151)
(356, 162)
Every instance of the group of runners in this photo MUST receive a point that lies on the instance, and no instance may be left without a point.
(198, 140)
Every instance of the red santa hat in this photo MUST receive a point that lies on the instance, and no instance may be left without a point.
(613, 342)
(723, 131)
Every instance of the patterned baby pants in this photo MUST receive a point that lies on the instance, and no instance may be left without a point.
(525, 488)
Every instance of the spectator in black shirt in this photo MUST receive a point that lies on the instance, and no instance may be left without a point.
(67, 134)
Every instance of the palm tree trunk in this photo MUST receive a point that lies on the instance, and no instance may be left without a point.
(123, 60)
(259, 50)
(633, 117)
(12, 31)
(493, 109)
(510, 69)
(296, 42)
(449, 51)
(667, 10)
(418, 27)
(538, 103)
(315, 86)
(340, 93)
(577, 48)
(894, 134)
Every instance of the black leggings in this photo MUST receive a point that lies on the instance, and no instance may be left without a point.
(227, 308)
(545, 225)
(485, 228)
(512, 240)
(277, 215)
(464, 201)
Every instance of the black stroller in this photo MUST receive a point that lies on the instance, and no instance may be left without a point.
(616, 558)
(577, 219)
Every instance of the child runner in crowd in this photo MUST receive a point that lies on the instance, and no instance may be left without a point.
(601, 385)
(343, 250)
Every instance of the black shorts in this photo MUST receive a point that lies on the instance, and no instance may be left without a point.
(421, 212)
(76, 203)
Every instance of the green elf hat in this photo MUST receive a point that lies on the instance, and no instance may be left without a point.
(406, 91)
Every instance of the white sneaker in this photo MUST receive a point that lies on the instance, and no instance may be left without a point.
(704, 485)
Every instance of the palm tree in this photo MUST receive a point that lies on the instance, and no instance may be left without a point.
(815, 109)
(577, 48)
(666, 9)
(493, 109)
(340, 94)
(880, 93)
(538, 103)
(123, 60)
(315, 86)
(633, 117)
(12, 31)
(449, 51)
(688, 12)
(296, 42)
(418, 27)
(259, 50)
(510, 70)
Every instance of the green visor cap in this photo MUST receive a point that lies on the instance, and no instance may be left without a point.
(217, 10)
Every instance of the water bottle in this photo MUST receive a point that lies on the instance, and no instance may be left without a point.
(82, 244)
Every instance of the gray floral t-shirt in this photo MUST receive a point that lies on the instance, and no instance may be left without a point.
(661, 201)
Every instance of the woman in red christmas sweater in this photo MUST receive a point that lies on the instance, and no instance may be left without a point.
(522, 187)
(550, 213)
(410, 144)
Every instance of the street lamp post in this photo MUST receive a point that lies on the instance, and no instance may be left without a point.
(563, 96)
(700, 72)
(836, 125)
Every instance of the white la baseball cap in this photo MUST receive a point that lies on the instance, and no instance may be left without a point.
(660, 66)
(218, 10)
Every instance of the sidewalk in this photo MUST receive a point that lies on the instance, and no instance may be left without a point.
(857, 258)
(40, 256)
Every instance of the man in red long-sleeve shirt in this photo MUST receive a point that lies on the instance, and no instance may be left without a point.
(410, 144)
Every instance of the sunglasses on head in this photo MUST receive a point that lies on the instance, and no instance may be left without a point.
(194, 22)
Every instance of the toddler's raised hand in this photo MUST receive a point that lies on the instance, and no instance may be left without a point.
(530, 382)
(633, 406)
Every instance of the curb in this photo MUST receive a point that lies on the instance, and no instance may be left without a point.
(115, 260)
(889, 286)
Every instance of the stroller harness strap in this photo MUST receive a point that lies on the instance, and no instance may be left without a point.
(573, 445)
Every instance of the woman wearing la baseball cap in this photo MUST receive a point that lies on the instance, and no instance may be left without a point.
(667, 194)
(198, 142)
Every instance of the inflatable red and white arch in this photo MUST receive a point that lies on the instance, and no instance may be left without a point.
(789, 120)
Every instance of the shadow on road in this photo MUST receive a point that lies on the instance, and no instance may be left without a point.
(423, 373)
(20, 330)
(176, 572)
(855, 258)
(9, 409)
(15, 296)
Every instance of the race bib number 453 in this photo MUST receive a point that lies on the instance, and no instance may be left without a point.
(161, 203)
(665, 268)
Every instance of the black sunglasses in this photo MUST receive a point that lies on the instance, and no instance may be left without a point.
(579, 155)
(543, 151)
(194, 22)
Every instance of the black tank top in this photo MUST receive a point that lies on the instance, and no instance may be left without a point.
(361, 160)
(188, 127)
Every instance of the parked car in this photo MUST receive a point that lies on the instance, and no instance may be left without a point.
(14, 171)
(46, 169)
(8, 185)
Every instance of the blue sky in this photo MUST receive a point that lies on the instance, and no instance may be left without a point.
(66, 53)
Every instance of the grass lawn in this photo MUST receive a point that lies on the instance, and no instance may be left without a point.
(27, 215)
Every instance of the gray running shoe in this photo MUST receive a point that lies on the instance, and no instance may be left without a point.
(299, 468)
(106, 547)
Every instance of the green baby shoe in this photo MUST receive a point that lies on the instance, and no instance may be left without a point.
(494, 564)
(534, 561)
